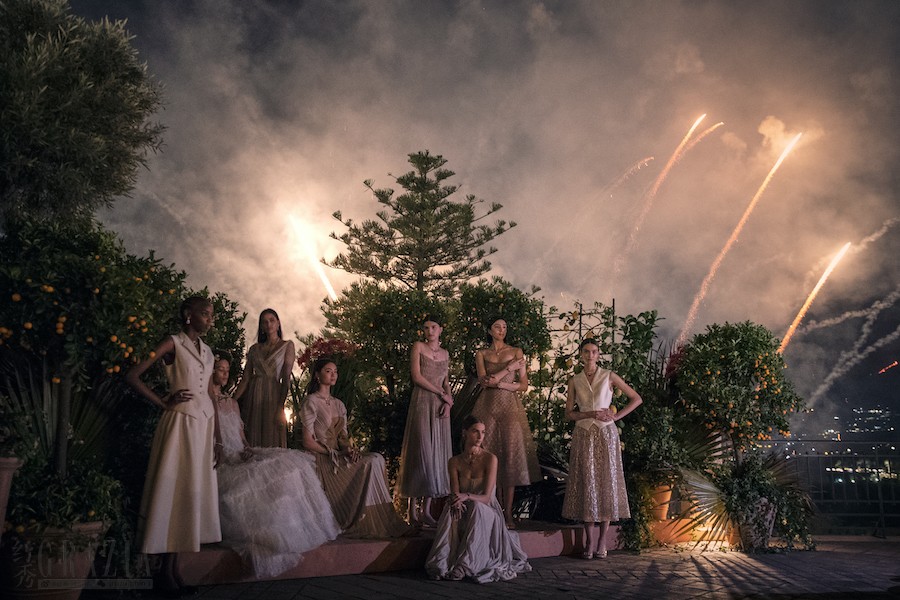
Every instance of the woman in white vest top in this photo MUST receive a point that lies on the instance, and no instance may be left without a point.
(180, 504)
(595, 490)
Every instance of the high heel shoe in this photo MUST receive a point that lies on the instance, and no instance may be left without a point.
(601, 554)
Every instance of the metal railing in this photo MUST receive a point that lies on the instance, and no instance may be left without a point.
(855, 486)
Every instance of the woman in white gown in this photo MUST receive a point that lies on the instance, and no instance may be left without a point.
(271, 503)
(472, 539)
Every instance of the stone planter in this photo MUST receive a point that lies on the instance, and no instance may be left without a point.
(8, 468)
(48, 565)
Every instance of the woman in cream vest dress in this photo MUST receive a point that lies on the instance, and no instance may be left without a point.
(180, 504)
(595, 490)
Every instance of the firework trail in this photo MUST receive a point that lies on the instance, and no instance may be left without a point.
(648, 198)
(860, 246)
(889, 367)
(700, 137)
(847, 361)
(877, 306)
(812, 296)
(606, 190)
(704, 287)
(305, 242)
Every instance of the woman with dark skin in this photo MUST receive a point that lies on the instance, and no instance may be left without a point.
(179, 509)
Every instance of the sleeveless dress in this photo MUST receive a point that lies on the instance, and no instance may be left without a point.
(272, 505)
(180, 506)
(477, 545)
(595, 490)
(426, 442)
(358, 492)
(262, 407)
(506, 432)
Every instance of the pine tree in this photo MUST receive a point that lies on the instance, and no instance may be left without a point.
(422, 239)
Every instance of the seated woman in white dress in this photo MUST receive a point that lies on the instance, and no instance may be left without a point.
(355, 482)
(472, 539)
(271, 503)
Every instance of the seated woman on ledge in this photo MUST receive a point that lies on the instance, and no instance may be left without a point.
(355, 483)
(271, 502)
(472, 539)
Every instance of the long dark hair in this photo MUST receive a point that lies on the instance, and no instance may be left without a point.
(466, 424)
(313, 386)
(490, 323)
(261, 335)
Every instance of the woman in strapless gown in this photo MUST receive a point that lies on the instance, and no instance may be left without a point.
(426, 441)
(472, 539)
(355, 482)
(265, 383)
(595, 489)
(502, 373)
(271, 502)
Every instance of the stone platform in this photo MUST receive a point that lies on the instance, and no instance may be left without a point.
(215, 564)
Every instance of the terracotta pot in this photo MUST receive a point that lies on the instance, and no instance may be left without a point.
(8, 468)
(48, 565)
(662, 496)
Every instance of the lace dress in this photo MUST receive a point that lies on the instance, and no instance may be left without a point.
(358, 492)
(272, 506)
(477, 545)
(426, 441)
(262, 406)
(506, 432)
(595, 489)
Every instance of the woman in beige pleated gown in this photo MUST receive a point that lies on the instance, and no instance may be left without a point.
(355, 482)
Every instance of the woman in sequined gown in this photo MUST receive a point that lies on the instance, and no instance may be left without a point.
(355, 482)
(502, 374)
(265, 384)
(595, 490)
(471, 538)
(271, 502)
(426, 440)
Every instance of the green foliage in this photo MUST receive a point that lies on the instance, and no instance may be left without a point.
(492, 299)
(41, 498)
(422, 239)
(733, 379)
(385, 320)
(74, 101)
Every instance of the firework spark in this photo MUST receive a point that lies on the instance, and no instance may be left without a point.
(704, 287)
(304, 240)
(848, 360)
(887, 368)
(651, 194)
(812, 296)
(700, 137)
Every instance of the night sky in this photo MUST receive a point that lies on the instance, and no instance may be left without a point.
(277, 111)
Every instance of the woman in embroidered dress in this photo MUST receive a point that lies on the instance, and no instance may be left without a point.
(595, 490)
(502, 374)
(355, 482)
(472, 539)
(426, 441)
(271, 501)
(180, 506)
(265, 383)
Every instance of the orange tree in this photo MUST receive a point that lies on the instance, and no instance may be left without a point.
(77, 310)
(733, 379)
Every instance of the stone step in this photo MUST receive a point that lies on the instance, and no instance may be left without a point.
(215, 564)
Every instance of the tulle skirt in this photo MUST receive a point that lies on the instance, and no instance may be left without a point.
(273, 508)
